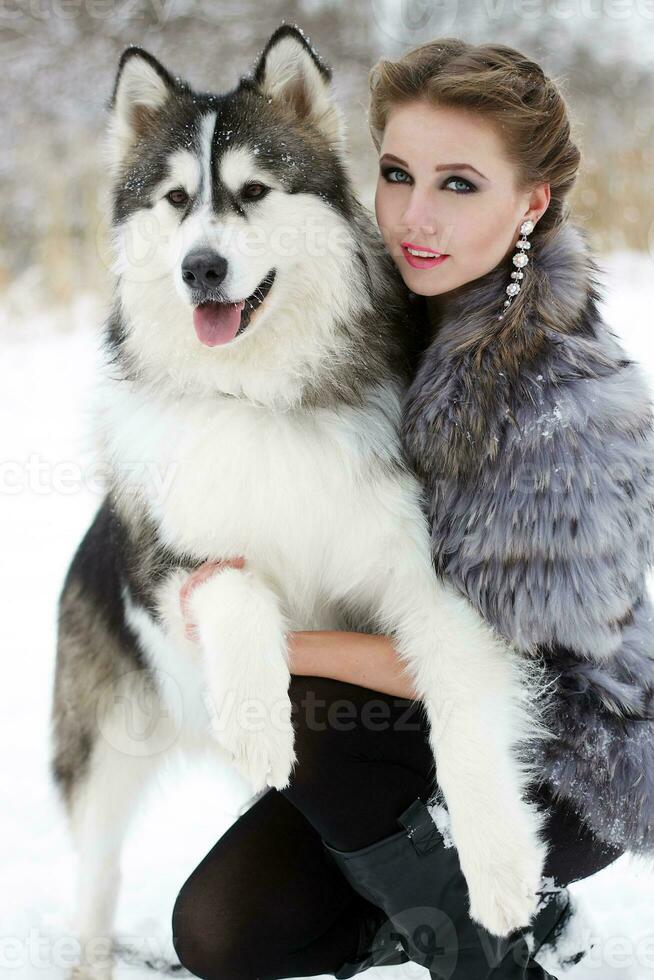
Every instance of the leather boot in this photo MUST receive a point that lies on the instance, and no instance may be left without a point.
(379, 945)
(415, 879)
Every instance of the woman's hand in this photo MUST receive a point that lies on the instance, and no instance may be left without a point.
(201, 574)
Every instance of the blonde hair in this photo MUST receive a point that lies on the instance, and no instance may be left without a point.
(511, 92)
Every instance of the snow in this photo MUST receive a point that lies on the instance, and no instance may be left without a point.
(50, 493)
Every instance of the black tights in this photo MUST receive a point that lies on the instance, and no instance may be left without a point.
(266, 902)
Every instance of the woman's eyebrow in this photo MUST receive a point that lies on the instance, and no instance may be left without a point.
(459, 166)
(441, 166)
(390, 156)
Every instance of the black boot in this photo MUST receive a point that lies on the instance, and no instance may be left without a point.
(415, 879)
(379, 945)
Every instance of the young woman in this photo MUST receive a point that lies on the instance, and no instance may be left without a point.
(532, 432)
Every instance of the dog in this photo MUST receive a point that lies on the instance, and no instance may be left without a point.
(256, 354)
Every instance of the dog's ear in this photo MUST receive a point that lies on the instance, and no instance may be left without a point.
(291, 72)
(141, 88)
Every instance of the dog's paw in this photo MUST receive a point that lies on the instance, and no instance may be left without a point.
(242, 634)
(503, 882)
(263, 758)
(252, 721)
(501, 900)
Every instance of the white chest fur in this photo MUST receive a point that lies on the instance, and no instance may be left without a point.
(222, 476)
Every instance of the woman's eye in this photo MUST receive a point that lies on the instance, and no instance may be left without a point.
(389, 174)
(178, 198)
(254, 190)
(467, 186)
(395, 175)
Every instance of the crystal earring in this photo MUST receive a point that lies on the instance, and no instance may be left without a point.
(520, 260)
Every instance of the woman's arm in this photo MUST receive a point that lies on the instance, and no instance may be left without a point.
(358, 658)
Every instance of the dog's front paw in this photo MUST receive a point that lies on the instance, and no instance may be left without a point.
(501, 899)
(503, 882)
(252, 721)
(265, 757)
(242, 634)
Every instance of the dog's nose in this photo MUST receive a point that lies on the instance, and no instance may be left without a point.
(204, 268)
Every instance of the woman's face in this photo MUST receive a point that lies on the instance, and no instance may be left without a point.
(445, 187)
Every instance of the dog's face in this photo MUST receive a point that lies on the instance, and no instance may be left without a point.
(231, 226)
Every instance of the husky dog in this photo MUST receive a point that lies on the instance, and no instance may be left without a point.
(257, 354)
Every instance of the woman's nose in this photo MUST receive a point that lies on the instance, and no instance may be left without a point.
(418, 216)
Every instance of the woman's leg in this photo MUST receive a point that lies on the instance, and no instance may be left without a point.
(265, 902)
(357, 776)
(364, 756)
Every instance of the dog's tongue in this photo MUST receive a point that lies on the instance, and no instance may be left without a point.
(217, 323)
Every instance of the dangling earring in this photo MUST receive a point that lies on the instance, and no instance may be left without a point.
(520, 260)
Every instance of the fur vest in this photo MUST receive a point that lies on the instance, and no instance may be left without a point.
(534, 437)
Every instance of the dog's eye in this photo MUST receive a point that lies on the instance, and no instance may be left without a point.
(254, 190)
(178, 198)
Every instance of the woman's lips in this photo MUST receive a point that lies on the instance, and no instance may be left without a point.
(419, 262)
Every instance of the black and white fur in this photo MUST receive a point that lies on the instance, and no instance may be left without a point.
(282, 446)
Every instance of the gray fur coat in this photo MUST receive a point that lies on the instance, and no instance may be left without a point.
(534, 437)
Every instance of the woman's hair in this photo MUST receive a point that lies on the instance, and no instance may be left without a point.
(511, 92)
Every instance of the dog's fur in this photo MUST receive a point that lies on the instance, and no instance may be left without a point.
(282, 446)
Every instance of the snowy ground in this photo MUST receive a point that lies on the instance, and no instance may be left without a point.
(49, 494)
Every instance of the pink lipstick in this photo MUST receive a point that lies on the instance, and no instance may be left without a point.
(426, 258)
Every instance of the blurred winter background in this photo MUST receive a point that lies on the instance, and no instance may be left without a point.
(59, 59)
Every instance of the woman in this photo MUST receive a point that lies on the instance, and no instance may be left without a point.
(533, 434)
